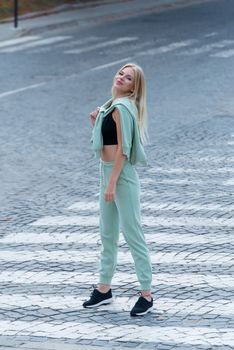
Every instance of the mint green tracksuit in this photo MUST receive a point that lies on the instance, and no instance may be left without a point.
(124, 212)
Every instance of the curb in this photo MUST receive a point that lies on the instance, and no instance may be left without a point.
(62, 8)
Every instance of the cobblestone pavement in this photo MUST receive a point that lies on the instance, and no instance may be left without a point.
(48, 268)
(49, 243)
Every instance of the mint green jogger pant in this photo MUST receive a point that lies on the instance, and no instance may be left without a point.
(123, 212)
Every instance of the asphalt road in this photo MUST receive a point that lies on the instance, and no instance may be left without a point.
(48, 89)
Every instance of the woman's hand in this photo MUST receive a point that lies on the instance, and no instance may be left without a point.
(109, 195)
(93, 115)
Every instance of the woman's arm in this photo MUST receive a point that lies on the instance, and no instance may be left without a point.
(118, 162)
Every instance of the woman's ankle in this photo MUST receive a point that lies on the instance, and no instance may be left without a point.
(146, 294)
(103, 288)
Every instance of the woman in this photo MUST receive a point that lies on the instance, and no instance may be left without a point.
(119, 129)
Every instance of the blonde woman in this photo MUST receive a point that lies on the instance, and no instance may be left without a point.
(117, 139)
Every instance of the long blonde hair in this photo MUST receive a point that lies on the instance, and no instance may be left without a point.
(139, 97)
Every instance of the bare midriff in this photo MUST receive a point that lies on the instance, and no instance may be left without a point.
(108, 153)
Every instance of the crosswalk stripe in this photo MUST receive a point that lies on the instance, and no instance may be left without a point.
(224, 54)
(124, 333)
(180, 182)
(222, 307)
(229, 182)
(149, 221)
(87, 238)
(107, 65)
(47, 41)
(183, 171)
(16, 91)
(87, 256)
(207, 48)
(94, 206)
(18, 41)
(68, 278)
(102, 45)
(167, 48)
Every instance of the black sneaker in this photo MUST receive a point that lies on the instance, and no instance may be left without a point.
(142, 307)
(97, 298)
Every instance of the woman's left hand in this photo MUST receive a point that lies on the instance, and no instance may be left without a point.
(109, 195)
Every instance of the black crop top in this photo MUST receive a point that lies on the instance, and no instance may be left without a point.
(109, 131)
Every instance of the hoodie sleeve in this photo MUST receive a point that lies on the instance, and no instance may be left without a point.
(126, 122)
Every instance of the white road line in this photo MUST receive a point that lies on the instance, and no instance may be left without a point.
(87, 256)
(12, 92)
(149, 221)
(224, 54)
(210, 34)
(179, 182)
(18, 41)
(68, 278)
(190, 170)
(222, 307)
(93, 206)
(47, 41)
(194, 336)
(102, 45)
(167, 48)
(231, 143)
(87, 40)
(92, 238)
(82, 205)
(229, 182)
(207, 48)
(127, 59)
(186, 206)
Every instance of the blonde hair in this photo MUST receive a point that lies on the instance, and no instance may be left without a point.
(138, 96)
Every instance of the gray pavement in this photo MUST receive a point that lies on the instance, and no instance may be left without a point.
(49, 243)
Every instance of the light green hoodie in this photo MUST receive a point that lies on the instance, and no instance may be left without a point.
(131, 143)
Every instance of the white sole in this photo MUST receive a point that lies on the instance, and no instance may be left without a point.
(103, 302)
(144, 313)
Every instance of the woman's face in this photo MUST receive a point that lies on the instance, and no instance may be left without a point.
(124, 81)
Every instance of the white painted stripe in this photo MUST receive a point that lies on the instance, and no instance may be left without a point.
(18, 41)
(222, 307)
(102, 45)
(231, 143)
(79, 42)
(87, 256)
(149, 221)
(229, 182)
(167, 48)
(210, 34)
(12, 92)
(64, 277)
(127, 59)
(93, 206)
(124, 333)
(207, 48)
(224, 54)
(214, 171)
(47, 41)
(177, 182)
(92, 238)
(82, 205)
(187, 206)
(214, 160)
